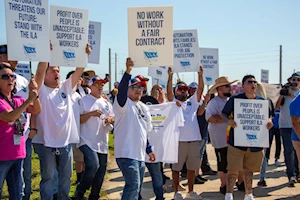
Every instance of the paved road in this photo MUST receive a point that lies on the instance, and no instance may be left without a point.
(276, 180)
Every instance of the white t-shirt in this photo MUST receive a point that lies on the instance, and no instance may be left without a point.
(56, 122)
(93, 132)
(22, 91)
(164, 137)
(82, 92)
(75, 99)
(132, 122)
(190, 131)
(217, 132)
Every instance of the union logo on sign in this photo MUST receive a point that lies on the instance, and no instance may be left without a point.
(151, 56)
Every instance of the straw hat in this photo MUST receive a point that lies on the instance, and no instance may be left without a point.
(91, 73)
(221, 81)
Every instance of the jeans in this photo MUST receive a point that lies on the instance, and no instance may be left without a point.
(11, 170)
(274, 132)
(157, 180)
(60, 160)
(289, 152)
(93, 175)
(27, 170)
(263, 167)
(203, 143)
(133, 172)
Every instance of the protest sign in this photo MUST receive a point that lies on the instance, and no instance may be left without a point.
(272, 91)
(251, 117)
(69, 36)
(264, 76)
(160, 73)
(186, 51)
(150, 36)
(209, 59)
(23, 70)
(163, 83)
(94, 41)
(27, 30)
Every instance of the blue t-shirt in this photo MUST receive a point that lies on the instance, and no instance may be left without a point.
(295, 111)
(275, 120)
(228, 109)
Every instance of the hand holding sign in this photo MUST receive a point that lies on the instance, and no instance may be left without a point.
(232, 123)
(129, 65)
(88, 49)
(270, 124)
(170, 73)
(200, 73)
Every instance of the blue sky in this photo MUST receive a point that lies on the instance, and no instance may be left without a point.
(247, 33)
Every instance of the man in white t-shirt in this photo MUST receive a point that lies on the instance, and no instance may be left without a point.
(132, 122)
(217, 126)
(95, 116)
(57, 129)
(21, 89)
(189, 145)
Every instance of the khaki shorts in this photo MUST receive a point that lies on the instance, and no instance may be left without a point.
(188, 152)
(238, 160)
(77, 154)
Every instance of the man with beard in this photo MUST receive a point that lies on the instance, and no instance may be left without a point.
(189, 145)
(217, 126)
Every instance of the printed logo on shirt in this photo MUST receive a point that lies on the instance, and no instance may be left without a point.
(23, 89)
(63, 95)
(106, 107)
(148, 103)
(189, 103)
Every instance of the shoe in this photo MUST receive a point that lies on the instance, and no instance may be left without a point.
(223, 190)
(201, 178)
(262, 183)
(211, 172)
(292, 181)
(298, 178)
(183, 175)
(192, 195)
(54, 197)
(277, 163)
(78, 196)
(240, 187)
(198, 181)
(178, 196)
(166, 177)
(249, 197)
(228, 196)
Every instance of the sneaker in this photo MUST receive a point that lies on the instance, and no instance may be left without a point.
(166, 177)
(249, 197)
(201, 178)
(223, 190)
(193, 195)
(178, 196)
(262, 183)
(277, 163)
(211, 172)
(240, 187)
(198, 181)
(292, 181)
(228, 196)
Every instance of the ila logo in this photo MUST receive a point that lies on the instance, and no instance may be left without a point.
(151, 56)
(63, 95)
(29, 51)
(69, 56)
(252, 138)
(185, 64)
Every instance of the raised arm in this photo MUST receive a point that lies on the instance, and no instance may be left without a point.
(200, 84)
(40, 74)
(170, 94)
(79, 70)
(123, 86)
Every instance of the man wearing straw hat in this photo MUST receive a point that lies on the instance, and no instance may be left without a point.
(217, 126)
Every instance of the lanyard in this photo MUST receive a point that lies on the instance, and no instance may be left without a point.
(11, 103)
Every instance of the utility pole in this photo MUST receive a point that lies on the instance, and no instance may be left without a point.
(280, 64)
(116, 67)
(109, 65)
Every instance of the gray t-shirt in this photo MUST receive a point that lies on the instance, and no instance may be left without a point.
(217, 132)
(284, 117)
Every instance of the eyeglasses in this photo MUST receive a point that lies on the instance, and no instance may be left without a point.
(296, 79)
(137, 87)
(86, 78)
(183, 88)
(98, 84)
(251, 82)
(227, 86)
(8, 76)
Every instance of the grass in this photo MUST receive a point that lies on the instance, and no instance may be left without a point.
(36, 177)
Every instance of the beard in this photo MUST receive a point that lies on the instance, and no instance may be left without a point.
(227, 94)
(181, 97)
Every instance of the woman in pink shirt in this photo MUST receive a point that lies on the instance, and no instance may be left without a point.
(13, 113)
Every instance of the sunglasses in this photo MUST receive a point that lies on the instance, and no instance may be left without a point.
(8, 76)
(137, 87)
(251, 82)
(296, 79)
(97, 84)
(86, 78)
(183, 88)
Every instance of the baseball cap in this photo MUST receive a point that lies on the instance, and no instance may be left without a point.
(96, 79)
(142, 78)
(135, 81)
(116, 83)
(193, 85)
(296, 74)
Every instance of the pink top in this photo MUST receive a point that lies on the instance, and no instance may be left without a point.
(8, 150)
